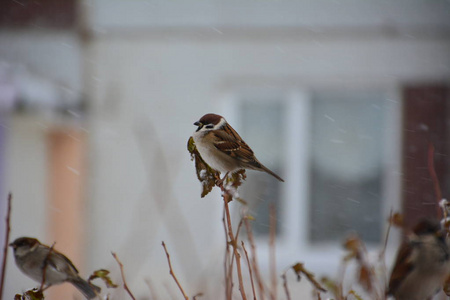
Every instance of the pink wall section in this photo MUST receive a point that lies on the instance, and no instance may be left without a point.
(67, 211)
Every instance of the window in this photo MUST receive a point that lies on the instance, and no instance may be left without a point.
(260, 189)
(338, 152)
(346, 165)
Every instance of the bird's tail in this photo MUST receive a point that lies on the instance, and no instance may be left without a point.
(271, 173)
(89, 290)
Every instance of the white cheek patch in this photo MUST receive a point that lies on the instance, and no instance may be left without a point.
(220, 124)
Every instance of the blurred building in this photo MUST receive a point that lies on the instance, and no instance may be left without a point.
(97, 99)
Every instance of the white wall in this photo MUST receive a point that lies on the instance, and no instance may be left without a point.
(110, 15)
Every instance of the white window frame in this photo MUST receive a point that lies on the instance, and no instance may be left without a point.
(293, 245)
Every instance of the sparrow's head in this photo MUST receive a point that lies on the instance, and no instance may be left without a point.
(210, 122)
(431, 228)
(427, 226)
(24, 245)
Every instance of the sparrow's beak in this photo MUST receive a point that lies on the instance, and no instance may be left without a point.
(200, 125)
(12, 245)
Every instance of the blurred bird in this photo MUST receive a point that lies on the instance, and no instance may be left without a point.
(31, 257)
(422, 264)
(223, 149)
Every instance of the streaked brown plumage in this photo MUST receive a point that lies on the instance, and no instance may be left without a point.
(422, 263)
(223, 149)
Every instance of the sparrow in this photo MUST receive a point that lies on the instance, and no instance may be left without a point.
(223, 149)
(31, 257)
(422, 263)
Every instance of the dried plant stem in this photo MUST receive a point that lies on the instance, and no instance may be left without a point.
(255, 267)
(169, 291)
(197, 295)
(383, 251)
(6, 245)
(173, 274)
(151, 288)
(285, 285)
(228, 266)
(318, 295)
(44, 270)
(239, 228)
(249, 270)
(122, 273)
(227, 198)
(229, 274)
(299, 269)
(273, 263)
(373, 278)
(437, 187)
(341, 272)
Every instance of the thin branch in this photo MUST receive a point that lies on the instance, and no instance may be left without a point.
(169, 291)
(228, 267)
(255, 267)
(249, 270)
(172, 273)
(151, 288)
(299, 269)
(273, 263)
(318, 295)
(383, 251)
(122, 273)
(340, 284)
(239, 229)
(44, 270)
(6, 245)
(434, 177)
(386, 238)
(285, 285)
(231, 264)
(227, 198)
(197, 295)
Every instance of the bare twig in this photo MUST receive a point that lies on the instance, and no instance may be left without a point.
(44, 270)
(197, 295)
(299, 269)
(227, 198)
(122, 273)
(273, 263)
(169, 291)
(6, 245)
(151, 289)
(231, 263)
(341, 274)
(249, 270)
(239, 228)
(233, 241)
(285, 285)
(382, 255)
(386, 238)
(437, 187)
(318, 295)
(173, 274)
(228, 266)
(255, 267)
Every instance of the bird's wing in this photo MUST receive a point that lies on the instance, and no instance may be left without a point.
(229, 142)
(402, 267)
(60, 262)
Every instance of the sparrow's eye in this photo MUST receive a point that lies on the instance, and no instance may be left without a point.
(210, 126)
